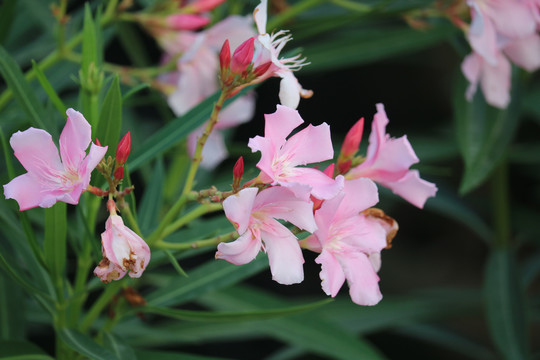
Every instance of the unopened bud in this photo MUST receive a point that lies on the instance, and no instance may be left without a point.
(123, 149)
(344, 166)
(243, 55)
(225, 56)
(352, 140)
(238, 172)
(329, 171)
(205, 5)
(262, 69)
(119, 173)
(97, 142)
(186, 21)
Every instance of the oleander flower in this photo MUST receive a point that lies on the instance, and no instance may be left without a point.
(388, 161)
(50, 177)
(123, 251)
(281, 157)
(350, 242)
(254, 216)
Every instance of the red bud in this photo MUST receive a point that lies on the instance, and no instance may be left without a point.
(352, 140)
(97, 142)
(225, 56)
(119, 173)
(243, 55)
(262, 69)
(123, 149)
(205, 5)
(238, 172)
(186, 21)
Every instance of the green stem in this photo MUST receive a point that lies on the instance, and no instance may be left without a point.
(84, 263)
(501, 206)
(293, 11)
(171, 214)
(194, 214)
(197, 244)
(108, 294)
(132, 221)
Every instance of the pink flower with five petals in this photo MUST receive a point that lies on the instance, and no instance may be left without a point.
(51, 178)
(254, 217)
(388, 161)
(281, 157)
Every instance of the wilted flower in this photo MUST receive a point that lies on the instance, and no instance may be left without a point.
(123, 250)
(51, 178)
(388, 161)
(254, 217)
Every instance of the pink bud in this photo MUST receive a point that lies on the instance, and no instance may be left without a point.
(238, 169)
(97, 142)
(119, 173)
(262, 69)
(123, 149)
(225, 56)
(329, 171)
(205, 5)
(186, 21)
(352, 139)
(243, 55)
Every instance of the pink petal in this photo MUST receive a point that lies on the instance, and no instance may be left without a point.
(115, 244)
(236, 29)
(311, 243)
(360, 194)
(238, 112)
(322, 186)
(26, 189)
(284, 254)
(74, 139)
(279, 124)
(238, 208)
(289, 90)
(482, 35)
(512, 19)
(413, 189)
(360, 233)
(280, 203)
(241, 251)
(525, 52)
(361, 277)
(260, 15)
(36, 151)
(471, 68)
(331, 274)
(95, 155)
(496, 81)
(312, 144)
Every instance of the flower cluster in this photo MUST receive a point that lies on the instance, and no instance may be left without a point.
(347, 232)
(501, 31)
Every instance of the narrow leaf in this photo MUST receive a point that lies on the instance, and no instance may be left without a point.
(505, 305)
(54, 243)
(168, 355)
(175, 264)
(46, 85)
(135, 90)
(7, 15)
(89, 43)
(110, 118)
(484, 132)
(118, 347)
(21, 350)
(85, 345)
(12, 323)
(22, 91)
(148, 210)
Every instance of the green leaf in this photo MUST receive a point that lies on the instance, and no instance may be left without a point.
(232, 316)
(505, 305)
(7, 15)
(167, 355)
(306, 331)
(22, 91)
(46, 85)
(89, 42)
(110, 118)
(135, 90)
(175, 264)
(54, 244)
(85, 345)
(484, 132)
(148, 210)
(208, 277)
(12, 323)
(21, 350)
(360, 45)
(118, 347)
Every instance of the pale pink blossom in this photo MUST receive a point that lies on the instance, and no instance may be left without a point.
(388, 161)
(254, 217)
(350, 242)
(51, 178)
(123, 251)
(281, 157)
(268, 49)
(196, 79)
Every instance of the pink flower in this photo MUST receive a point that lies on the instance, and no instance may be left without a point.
(254, 217)
(281, 157)
(196, 79)
(388, 161)
(268, 49)
(350, 242)
(500, 27)
(123, 250)
(51, 178)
